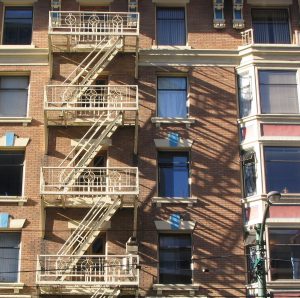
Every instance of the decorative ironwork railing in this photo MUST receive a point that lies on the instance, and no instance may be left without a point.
(89, 181)
(93, 270)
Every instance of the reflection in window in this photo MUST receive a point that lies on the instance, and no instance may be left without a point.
(170, 24)
(251, 261)
(245, 95)
(278, 92)
(284, 253)
(282, 169)
(173, 174)
(175, 255)
(249, 173)
(17, 25)
(172, 97)
(271, 26)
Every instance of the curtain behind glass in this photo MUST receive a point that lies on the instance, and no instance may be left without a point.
(170, 24)
(278, 92)
(172, 97)
(9, 255)
(271, 26)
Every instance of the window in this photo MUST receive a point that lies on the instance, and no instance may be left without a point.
(173, 174)
(17, 26)
(278, 92)
(271, 26)
(170, 23)
(172, 97)
(251, 262)
(245, 95)
(282, 169)
(249, 173)
(13, 96)
(9, 255)
(175, 255)
(11, 172)
(284, 253)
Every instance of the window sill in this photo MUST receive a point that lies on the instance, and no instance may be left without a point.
(160, 120)
(191, 288)
(13, 199)
(167, 200)
(15, 286)
(166, 47)
(24, 120)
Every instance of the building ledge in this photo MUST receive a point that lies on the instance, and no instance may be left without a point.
(15, 286)
(286, 199)
(270, 118)
(161, 120)
(191, 288)
(24, 120)
(167, 200)
(13, 199)
(284, 283)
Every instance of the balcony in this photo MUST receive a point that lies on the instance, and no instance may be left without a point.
(80, 29)
(86, 273)
(79, 104)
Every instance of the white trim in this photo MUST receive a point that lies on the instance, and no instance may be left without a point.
(14, 224)
(13, 199)
(165, 144)
(185, 226)
(161, 120)
(270, 2)
(24, 120)
(164, 200)
(18, 143)
(95, 2)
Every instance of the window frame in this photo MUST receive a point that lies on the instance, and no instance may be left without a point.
(177, 232)
(177, 75)
(3, 23)
(189, 170)
(19, 256)
(18, 74)
(185, 24)
(274, 8)
(23, 174)
(257, 90)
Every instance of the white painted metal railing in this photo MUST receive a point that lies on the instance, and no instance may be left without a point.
(93, 270)
(248, 38)
(89, 99)
(89, 180)
(87, 25)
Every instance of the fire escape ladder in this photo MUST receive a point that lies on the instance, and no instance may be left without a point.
(104, 292)
(90, 227)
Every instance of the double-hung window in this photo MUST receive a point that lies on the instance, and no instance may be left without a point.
(13, 96)
(175, 255)
(9, 255)
(11, 173)
(271, 26)
(284, 254)
(172, 97)
(170, 26)
(17, 26)
(278, 92)
(173, 174)
(282, 169)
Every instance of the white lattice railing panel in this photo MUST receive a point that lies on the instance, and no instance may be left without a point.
(87, 100)
(89, 24)
(88, 270)
(89, 181)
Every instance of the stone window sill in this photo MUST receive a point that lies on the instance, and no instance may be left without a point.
(24, 120)
(166, 200)
(191, 288)
(13, 199)
(15, 286)
(166, 47)
(160, 120)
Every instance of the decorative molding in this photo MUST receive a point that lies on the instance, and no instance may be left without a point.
(23, 55)
(14, 224)
(165, 144)
(219, 20)
(238, 17)
(177, 287)
(160, 120)
(184, 226)
(163, 200)
(17, 142)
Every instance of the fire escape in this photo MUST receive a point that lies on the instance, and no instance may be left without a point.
(102, 109)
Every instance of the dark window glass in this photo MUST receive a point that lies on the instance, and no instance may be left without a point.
(175, 255)
(173, 174)
(11, 173)
(251, 259)
(249, 173)
(9, 255)
(282, 167)
(278, 92)
(271, 26)
(17, 25)
(245, 95)
(171, 97)
(13, 96)
(284, 253)
(170, 24)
